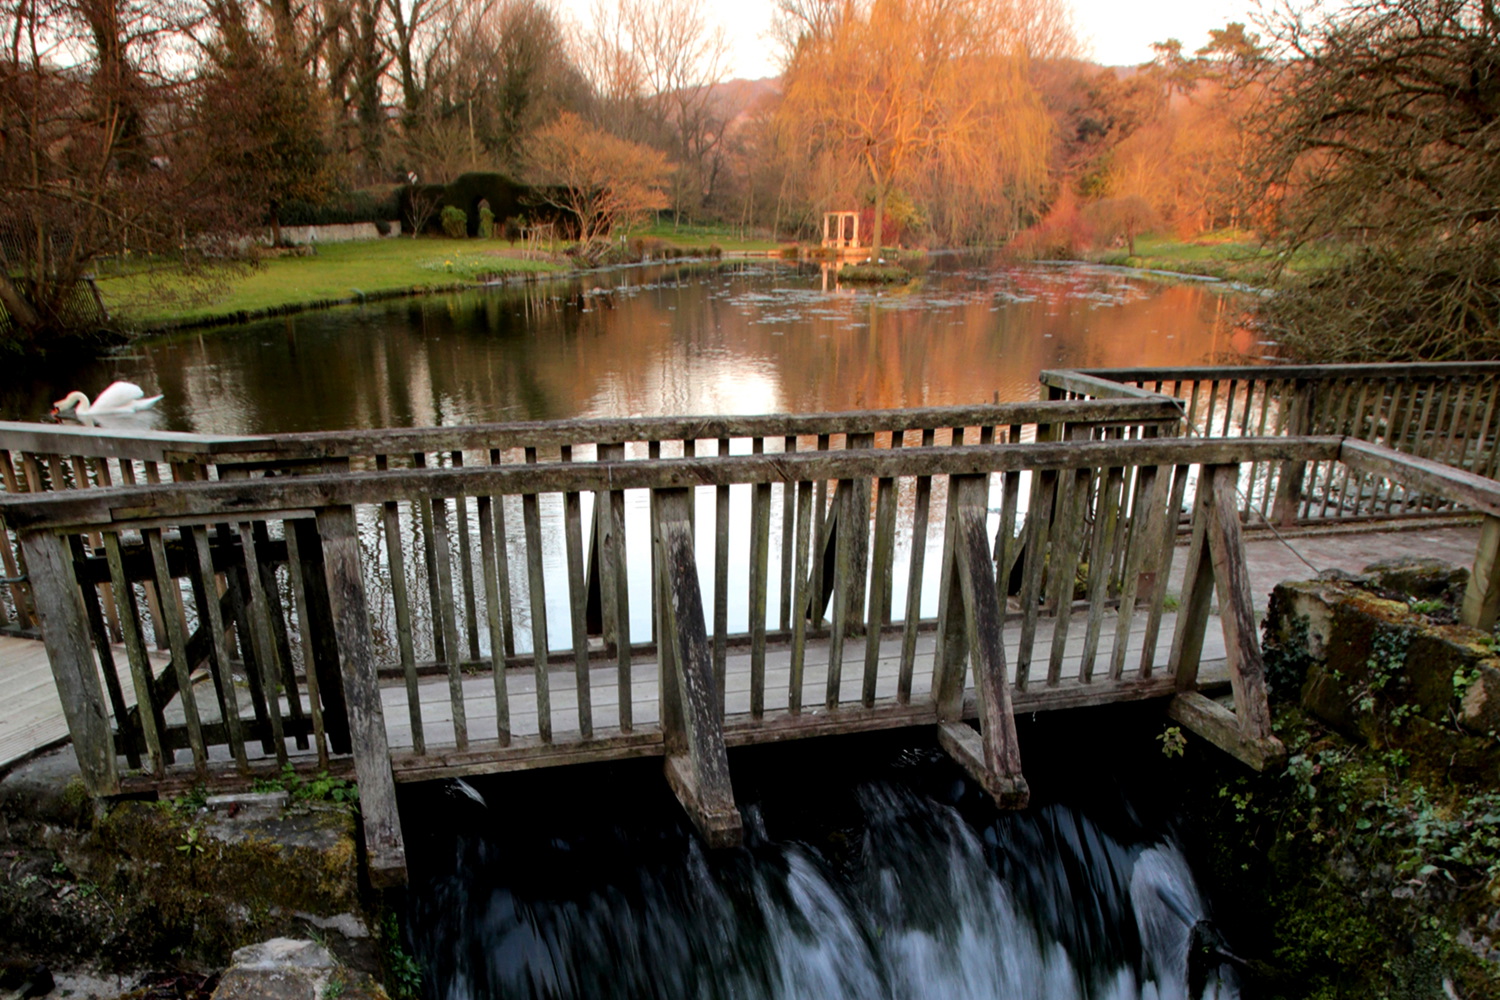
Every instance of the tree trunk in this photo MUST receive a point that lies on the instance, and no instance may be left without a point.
(879, 224)
(22, 313)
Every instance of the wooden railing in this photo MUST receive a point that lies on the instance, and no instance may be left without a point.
(1442, 411)
(543, 594)
(272, 627)
(38, 458)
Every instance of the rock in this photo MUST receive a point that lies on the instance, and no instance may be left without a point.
(279, 969)
(1480, 709)
(280, 953)
(1419, 578)
(249, 805)
(292, 969)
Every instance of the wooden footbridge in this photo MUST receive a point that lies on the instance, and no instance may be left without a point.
(439, 602)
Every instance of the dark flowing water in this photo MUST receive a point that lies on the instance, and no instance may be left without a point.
(873, 869)
(743, 337)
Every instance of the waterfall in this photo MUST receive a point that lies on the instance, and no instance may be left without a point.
(904, 885)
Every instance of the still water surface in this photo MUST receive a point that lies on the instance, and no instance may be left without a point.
(742, 337)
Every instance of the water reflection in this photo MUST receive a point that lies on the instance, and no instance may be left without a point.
(742, 337)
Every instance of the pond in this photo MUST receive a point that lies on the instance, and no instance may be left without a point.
(755, 336)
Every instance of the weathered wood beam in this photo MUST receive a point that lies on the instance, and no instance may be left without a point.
(1423, 474)
(1226, 547)
(1481, 604)
(997, 764)
(250, 498)
(1221, 727)
(65, 633)
(697, 765)
(1432, 369)
(384, 848)
(1097, 387)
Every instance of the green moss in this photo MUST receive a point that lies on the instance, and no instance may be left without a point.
(1379, 860)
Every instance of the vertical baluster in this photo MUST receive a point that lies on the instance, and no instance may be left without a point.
(760, 544)
(502, 564)
(489, 559)
(920, 507)
(881, 577)
(447, 616)
(466, 564)
(531, 516)
(1192, 409)
(280, 639)
(1073, 505)
(1167, 547)
(171, 598)
(260, 638)
(1144, 499)
(615, 581)
(100, 634)
(10, 556)
(422, 515)
(843, 574)
(823, 523)
(801, 608)
(401, 599)
(309, 662)
(1356, 422)
(1213, 406)
(1481, 439)
(1101, 559)
(721, 580)
(788, 519)
(1038, 530)
(577, 598)
(148, 712)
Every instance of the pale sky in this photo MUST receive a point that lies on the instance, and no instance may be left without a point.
(1118, 32)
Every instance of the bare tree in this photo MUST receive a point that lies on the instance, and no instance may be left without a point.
(655, 64)
(98, 154)
(1382, 138)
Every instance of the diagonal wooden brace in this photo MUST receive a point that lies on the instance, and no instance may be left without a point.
(1216, 562)
(697, 765)
(992, 756)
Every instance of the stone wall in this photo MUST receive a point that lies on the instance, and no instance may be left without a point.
(343, 233)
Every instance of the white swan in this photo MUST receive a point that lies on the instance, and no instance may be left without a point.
(117, 397)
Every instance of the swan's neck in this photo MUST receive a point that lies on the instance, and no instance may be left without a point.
(78, 400)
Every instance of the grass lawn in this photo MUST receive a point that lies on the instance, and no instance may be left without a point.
(1235, 255)
(728, 238)
(338, 271)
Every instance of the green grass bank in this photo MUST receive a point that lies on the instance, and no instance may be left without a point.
(144, 298)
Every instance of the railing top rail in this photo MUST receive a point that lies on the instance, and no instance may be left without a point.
(618, 430)
(119, 442)
(1477, 492)
(1096, 385)
(249, 499)
(1432, 369)
(167, 445)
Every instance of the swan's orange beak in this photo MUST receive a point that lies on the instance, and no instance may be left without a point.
(55, 411)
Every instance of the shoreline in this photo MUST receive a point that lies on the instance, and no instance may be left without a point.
(500, 280)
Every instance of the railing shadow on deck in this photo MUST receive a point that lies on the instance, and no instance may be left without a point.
(286, 576)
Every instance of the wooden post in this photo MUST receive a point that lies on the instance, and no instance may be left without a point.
(1482, 598)
(65, 633)
(992, 756)
(384, 848)
(697, 764)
